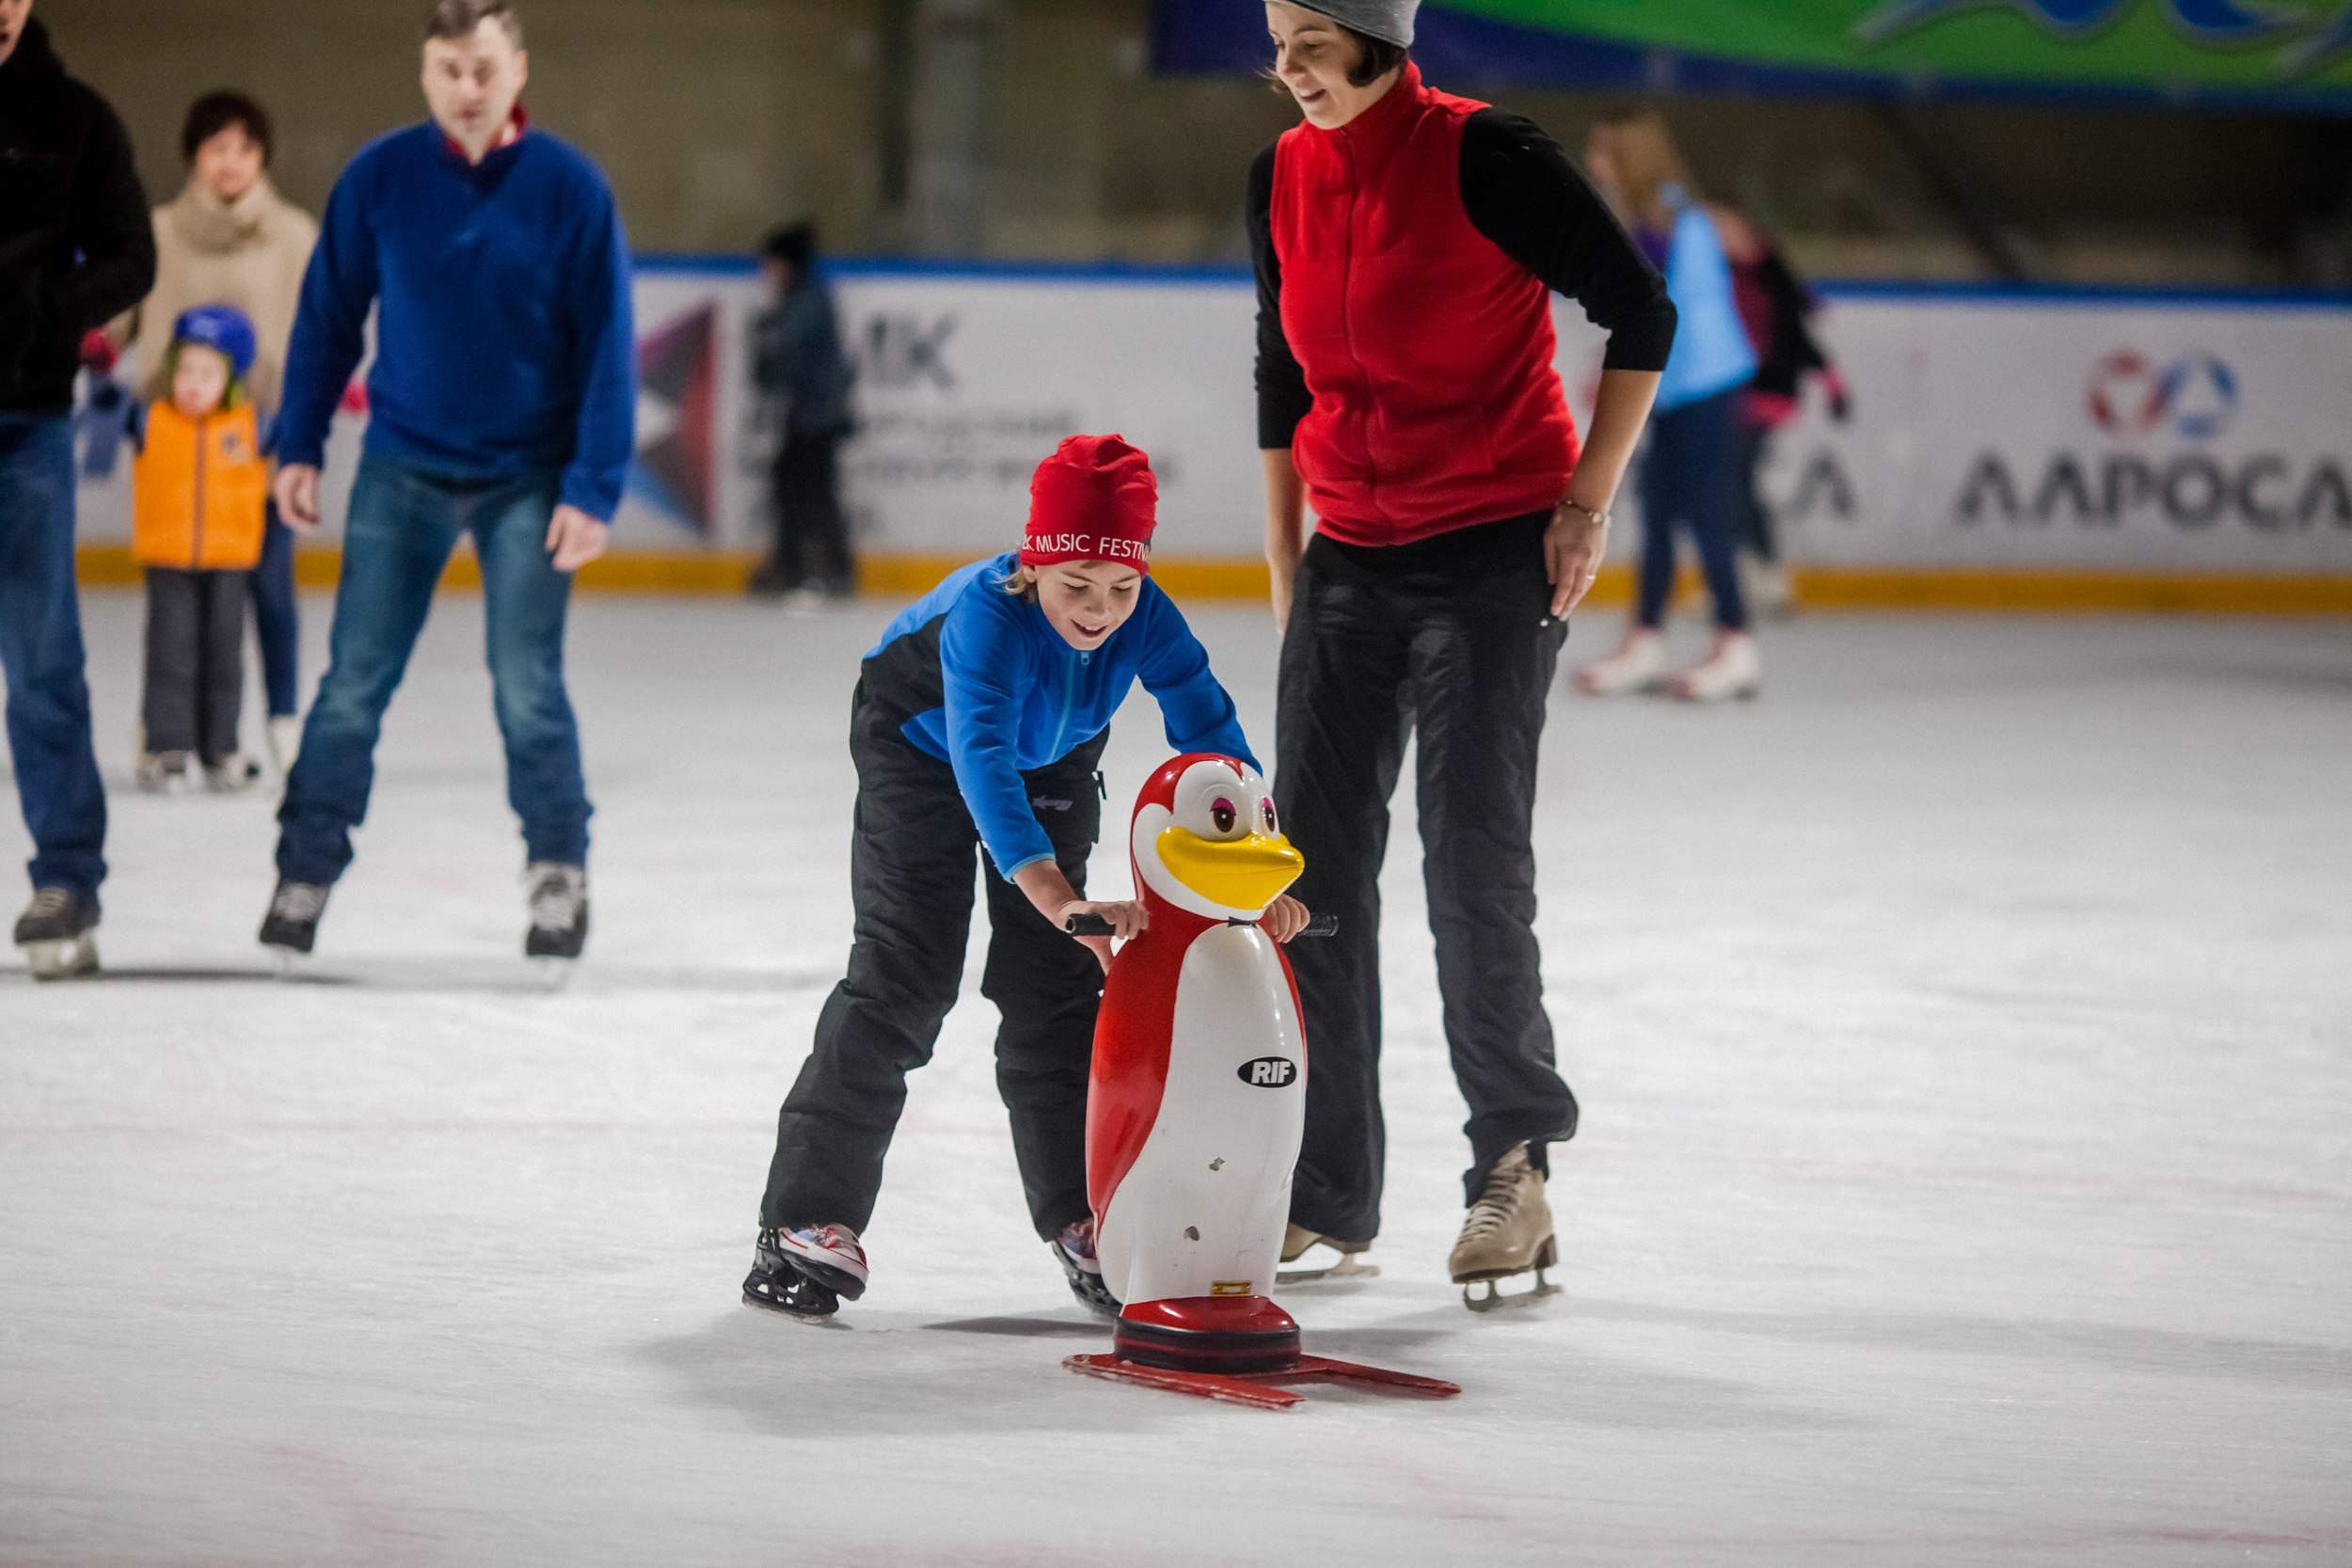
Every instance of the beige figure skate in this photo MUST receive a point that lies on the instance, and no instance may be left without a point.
(1297, 1240)
(1507, 1232)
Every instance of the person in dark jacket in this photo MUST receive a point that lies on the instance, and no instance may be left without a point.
(805, 379)
(1778, 310)
(1406, 245)
(502, 405)
(76, 250)
(978, 722)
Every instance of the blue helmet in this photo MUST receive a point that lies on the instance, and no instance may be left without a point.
(223, 328)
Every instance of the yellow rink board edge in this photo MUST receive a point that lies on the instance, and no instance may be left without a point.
(1919, 588)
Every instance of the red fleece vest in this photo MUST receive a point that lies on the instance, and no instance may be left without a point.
(1429, 350)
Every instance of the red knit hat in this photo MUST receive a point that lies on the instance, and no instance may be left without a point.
(1094, 499)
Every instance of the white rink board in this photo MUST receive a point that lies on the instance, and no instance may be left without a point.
(1989, 430)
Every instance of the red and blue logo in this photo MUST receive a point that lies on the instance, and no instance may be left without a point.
(676, 467)
(2195, 396)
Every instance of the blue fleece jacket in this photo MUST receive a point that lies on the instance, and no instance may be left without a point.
(503, 345)
(1015, 696)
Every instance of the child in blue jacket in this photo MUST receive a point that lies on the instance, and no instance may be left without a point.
(979, 722)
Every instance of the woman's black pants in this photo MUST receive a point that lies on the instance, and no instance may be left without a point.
(1448, 638)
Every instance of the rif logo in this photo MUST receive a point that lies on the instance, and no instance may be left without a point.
(2196, 395)
(1269, 1072)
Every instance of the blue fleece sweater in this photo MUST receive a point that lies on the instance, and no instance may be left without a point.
(1015, 696)
(503, 345)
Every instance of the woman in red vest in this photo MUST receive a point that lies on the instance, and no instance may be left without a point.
(1406, 243)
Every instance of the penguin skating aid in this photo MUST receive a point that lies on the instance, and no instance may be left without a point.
(1197, 1103)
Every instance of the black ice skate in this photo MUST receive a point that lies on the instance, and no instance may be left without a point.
(292, 925)
(559, 910)
(805, 1271)
(58, 932)
(1074, 1249)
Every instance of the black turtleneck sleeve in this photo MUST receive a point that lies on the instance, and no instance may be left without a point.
(1522, 193)
(1282, 396)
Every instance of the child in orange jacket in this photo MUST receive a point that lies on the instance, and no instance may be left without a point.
(199, 486)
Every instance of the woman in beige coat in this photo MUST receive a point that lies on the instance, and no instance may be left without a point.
(229, 238)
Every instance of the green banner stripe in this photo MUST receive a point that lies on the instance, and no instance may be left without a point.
(2242, 45)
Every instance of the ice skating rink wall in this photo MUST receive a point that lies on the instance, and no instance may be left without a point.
(2061, 449)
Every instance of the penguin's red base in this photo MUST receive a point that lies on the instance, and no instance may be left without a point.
(1208, 1334)
(1257, 1390)
(1232, 1348)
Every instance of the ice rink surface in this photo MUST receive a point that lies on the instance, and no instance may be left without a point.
(1964, 1034)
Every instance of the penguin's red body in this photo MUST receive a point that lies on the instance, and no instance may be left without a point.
(1197, 1096)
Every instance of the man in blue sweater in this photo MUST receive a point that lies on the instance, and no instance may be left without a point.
(502, 404)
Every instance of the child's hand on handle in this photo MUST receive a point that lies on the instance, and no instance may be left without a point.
(1284, 918)
(1127, 919)
(297, 491)
(1049, 893)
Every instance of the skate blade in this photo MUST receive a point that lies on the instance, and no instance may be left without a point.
(62, 961)
(1257, 1390)
(1347, 1269)
(554, 974)
(288, 963)
(1496, 1296)
(806, 1320)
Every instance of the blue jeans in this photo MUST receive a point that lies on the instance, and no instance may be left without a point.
(403, 523)
(1691, 479)
(277, 623)
(40, 654)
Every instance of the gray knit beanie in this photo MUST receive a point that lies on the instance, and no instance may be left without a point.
(1391, 21)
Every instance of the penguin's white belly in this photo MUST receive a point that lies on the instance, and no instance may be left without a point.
(1201, 1211)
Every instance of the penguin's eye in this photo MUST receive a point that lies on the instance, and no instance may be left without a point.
(1223, 813)
(1265, 815)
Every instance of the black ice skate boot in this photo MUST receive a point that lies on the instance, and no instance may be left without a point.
(559, 910)
(1074, 1249)
(292, 925)
(804, 1271)
(58, 932)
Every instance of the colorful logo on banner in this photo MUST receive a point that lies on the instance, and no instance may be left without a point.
(2208, 23)
(2246, 49)
(2161, 465)
(2195, 396)
(677, 427)
(2216, 22)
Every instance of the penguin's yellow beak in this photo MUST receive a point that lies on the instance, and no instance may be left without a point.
(1241, 873)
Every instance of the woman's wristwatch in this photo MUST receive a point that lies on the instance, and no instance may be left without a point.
(1600, 519)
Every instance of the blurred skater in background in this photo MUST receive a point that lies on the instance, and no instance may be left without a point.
(1691, 474)
(1778, 310)
(804, 380)
(229, 238)
(200, 492)
(512, 426)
